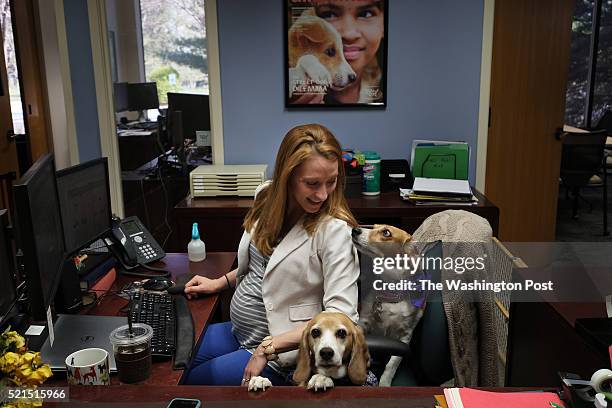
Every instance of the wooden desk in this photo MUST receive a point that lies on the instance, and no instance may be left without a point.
(215, 265)
(405, 397)
(223, 217)
(136, 150)
(568, 128)
(532, 361)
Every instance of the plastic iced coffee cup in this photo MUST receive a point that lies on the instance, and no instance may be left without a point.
(132, 352)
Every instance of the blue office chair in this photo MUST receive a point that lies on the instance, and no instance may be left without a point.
(427, 359)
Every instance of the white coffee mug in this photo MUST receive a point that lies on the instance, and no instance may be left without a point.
(88, 367)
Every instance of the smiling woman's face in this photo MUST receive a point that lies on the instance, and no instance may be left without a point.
(360, 24)
(311, 184)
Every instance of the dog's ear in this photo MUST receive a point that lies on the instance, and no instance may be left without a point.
(407, 246)
(302, 372)
(311, 34)
(360, 358)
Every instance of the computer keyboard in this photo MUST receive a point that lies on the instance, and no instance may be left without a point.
(168, 316)
(142, 125)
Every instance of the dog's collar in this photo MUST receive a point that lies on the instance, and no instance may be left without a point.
(388, 296)
(416, 297)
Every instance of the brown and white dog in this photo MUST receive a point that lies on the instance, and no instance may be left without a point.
(315, 51)
(332, 348)
(392, 314)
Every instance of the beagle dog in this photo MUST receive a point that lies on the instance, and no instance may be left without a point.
(390, 313)
(315, 56)
(332, 348)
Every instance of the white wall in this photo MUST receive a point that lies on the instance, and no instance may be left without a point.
(123, 18)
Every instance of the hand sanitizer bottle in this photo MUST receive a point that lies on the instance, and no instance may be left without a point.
(196, 250)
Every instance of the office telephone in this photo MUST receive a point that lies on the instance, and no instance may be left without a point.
(136, 243)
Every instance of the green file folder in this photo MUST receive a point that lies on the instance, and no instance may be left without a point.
(439, 160)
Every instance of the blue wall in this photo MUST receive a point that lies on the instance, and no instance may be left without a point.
(82, 76)
(432, 91)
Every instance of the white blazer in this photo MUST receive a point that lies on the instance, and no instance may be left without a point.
(305, 275)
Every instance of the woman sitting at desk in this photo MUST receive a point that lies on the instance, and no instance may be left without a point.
(295, 257)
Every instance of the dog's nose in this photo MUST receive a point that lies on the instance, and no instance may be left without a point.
(352, 77)
(326, 353)
(356, 232)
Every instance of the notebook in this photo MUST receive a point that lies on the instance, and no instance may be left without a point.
(470, 398)
(75, 332)
(441, 186)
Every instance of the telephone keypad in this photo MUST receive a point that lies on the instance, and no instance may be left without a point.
(147, 251)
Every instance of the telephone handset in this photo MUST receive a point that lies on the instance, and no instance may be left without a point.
(136, 242)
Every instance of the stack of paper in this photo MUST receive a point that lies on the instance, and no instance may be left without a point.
(431, 191)
(470, 398)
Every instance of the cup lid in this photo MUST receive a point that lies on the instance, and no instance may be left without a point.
(141, 333)
(371, 155)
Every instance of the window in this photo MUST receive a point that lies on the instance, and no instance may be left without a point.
(589, 86)
(174, 45)
(14, 89)
(602, 97)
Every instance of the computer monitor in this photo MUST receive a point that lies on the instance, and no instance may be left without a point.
(194, 115)
(84, 197)
(142, 96)
(39, 233)
(7, 277)
(120, 94)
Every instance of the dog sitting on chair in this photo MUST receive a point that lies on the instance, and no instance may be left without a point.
(393, 314)
(332, 348)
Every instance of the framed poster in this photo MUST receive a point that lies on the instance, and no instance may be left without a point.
(336, 53)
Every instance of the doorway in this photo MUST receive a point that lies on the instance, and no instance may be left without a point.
(23, 115)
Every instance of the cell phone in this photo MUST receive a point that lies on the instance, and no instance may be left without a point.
(184, 403)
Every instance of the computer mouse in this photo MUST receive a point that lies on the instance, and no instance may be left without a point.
(157, 284)
(176, 290)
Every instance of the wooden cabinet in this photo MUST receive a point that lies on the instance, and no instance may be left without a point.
(220, 219)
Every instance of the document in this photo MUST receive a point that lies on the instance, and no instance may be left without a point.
(470, 398)
(134, 132)
(441, 186)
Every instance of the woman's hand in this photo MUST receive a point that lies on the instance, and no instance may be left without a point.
(255, 365)
(201, 285)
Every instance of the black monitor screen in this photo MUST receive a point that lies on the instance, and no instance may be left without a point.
(194, 113)
(39, 232)
(84, 196)
(120, 93)
(7, 282)
(143, 96)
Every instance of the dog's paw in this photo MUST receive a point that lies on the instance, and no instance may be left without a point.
(320, 382)
(321, 78)
(258, 383)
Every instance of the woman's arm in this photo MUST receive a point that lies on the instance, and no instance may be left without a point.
(289, 340)
(200, 284)
(340, 266)
(286, 341)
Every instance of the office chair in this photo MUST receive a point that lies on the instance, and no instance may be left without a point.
(426, 360)
(605, 123)
(6, 194)
(582, 157)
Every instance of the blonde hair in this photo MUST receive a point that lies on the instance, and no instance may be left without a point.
(265, 220)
